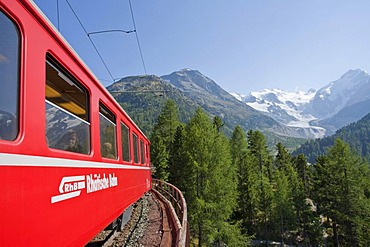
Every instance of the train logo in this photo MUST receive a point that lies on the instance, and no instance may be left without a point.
(72, 186)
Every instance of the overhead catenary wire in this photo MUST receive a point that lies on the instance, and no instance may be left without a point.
(113, 30)
(137, 36)
(110, 31)
(101, 58)
(140, 91)
(58, 21)
(106, 31)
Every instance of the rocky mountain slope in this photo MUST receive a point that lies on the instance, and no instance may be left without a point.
(144, 96)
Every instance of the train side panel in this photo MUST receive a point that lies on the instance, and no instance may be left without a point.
(53, 197)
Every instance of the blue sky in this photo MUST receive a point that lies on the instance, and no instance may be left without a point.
(243, 45)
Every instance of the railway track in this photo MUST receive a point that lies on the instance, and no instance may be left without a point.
(144, 228)
(157, 219)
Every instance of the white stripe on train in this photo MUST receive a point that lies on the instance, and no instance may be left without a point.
(40, 161)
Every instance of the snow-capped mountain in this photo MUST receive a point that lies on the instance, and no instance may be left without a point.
(285, 107)
(351, 88)
(319, 113)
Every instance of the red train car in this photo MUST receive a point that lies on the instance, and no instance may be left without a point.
(71, 160)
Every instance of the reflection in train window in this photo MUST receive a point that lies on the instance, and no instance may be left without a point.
(67, 126)
(107, 133)
(136, 151)
(125, 139)
(9, 78)
(142, 152)
(146, 154)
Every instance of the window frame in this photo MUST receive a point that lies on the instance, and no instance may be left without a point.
(135, 143)
(127, 145)
(111, 117)
(67, 77)
(142, 152)
(54, 86)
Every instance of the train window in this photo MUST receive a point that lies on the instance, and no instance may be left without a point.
(107, 133)
(136, 151)
(67, 125)
(9, 78)
(147, 154)
(142, 152)
(125, 139)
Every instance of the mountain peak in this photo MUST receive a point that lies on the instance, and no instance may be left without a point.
(194, 82)
(187, 77)
(353, 73)
(189, 70)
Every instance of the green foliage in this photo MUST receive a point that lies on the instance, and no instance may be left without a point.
(159, 157)
(284, 204)
(212, 178)
(341, 184)
(178, 167)
(167, 122)
(235, 188)
(248, 185)
(143, 98)
(291, 143)
(357, 135)
(238, 146)
(162, 140)
(282, 158)
(304, 173)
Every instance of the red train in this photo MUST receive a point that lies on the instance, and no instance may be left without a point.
(71, 160)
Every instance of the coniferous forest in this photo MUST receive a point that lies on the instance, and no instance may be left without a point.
(239, 194)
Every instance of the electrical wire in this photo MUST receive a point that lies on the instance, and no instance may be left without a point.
(96, 49)
(58, 15)
(105, 31)
(114, 30)
(137, 36)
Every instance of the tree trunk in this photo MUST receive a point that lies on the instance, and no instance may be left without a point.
(265, 223)
(335, 237)
(200, 240)
(282, 229)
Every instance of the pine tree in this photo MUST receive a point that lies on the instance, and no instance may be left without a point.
(217, 123)
(341, 182)
(159, 158)
(287, 193)
(304, 173)
(178, 170)
(258, 147)
(248, 185)
(211, 195)
(167, 122)
(162, 139)
(238, 145)
(283, 201)
(308, 220)
(282, 158)
(262, 161)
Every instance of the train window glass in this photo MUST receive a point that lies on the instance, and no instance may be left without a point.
(142, 152)
(147, 154)
(67, 125)
(136, 151)
(107, 133)
(125, 139)
(9, 78)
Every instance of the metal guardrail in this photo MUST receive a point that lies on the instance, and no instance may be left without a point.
(178, 211)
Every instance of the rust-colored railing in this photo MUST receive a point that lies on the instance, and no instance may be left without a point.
(178, 211)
